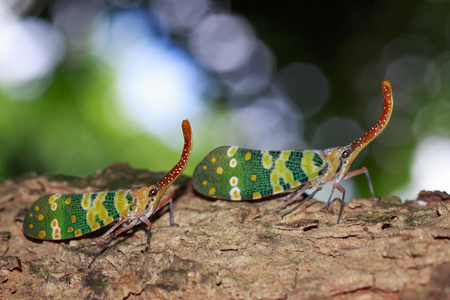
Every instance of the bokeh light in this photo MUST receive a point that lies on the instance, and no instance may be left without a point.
(430, 165)
(30, 50)
(157, 84)
(111, 81)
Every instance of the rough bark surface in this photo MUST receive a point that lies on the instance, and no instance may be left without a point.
(383, 248)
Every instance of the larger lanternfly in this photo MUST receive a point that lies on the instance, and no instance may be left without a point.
(58, 217)
(245, 174)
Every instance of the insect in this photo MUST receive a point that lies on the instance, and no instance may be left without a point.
(234, 173)
(59, 217)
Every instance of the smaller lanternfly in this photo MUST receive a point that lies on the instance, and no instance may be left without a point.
(235, 173)
(58, 217)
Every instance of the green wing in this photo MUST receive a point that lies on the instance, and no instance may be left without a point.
(67, 216)
(244, 174)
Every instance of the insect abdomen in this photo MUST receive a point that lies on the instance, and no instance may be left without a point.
(67, 216)
(245, 174)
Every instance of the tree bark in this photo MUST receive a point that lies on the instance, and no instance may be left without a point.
(383, 248)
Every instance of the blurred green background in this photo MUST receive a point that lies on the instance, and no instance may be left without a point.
(86, 83)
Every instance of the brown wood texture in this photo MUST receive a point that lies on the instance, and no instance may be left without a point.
(383, 248)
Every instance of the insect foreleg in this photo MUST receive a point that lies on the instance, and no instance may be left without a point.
(149, 224)
(360, 171)
(342, 190)
(162, 203)
(329, 198)
(149, 234)
(306, 199)
(171, 213)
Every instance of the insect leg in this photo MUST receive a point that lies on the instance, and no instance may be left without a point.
(114, 234)
(290, 198)
(306, 199)
(171, 213)
(149, 224)
(162, 203)
(329, 199)
(149, 234)
(106, 234)
(360, 171)
(101, 250)
(342, 190)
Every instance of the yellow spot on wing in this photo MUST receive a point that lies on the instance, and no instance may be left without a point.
(219, 170)
(235, 193)
(95, 208)
(78, 232)
(31, 226)
(308, 166)
(36, 208)
(285, 155)
(233, 181)
(41, 217)
(281, 171)
(257, 195)
(68, 200)
(53, 198)
(233, 162)
(108, 220)
(204, 182)
(95, 226)
(253, 177)
(232, 150)
(90, 218)
(266, 159)
(41, 234)
(120, 203)
(85, 203)
(278, 189)
(70, 229)
(213, 160)
(54, 206)
(31, 215)
(204, 167)
(100, 196)
(73, 219)
(248, 155)
(212, 191)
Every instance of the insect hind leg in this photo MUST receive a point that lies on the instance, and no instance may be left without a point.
(291, 198)
(103, 249)
(111, 233)
(304, 200)
(341, 189)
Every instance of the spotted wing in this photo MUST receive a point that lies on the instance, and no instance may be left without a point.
(67, 216)
(245, 174)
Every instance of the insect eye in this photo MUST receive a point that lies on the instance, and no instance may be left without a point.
(345, 154)
(152, 192)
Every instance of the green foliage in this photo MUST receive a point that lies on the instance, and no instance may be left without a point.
(75, 128)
